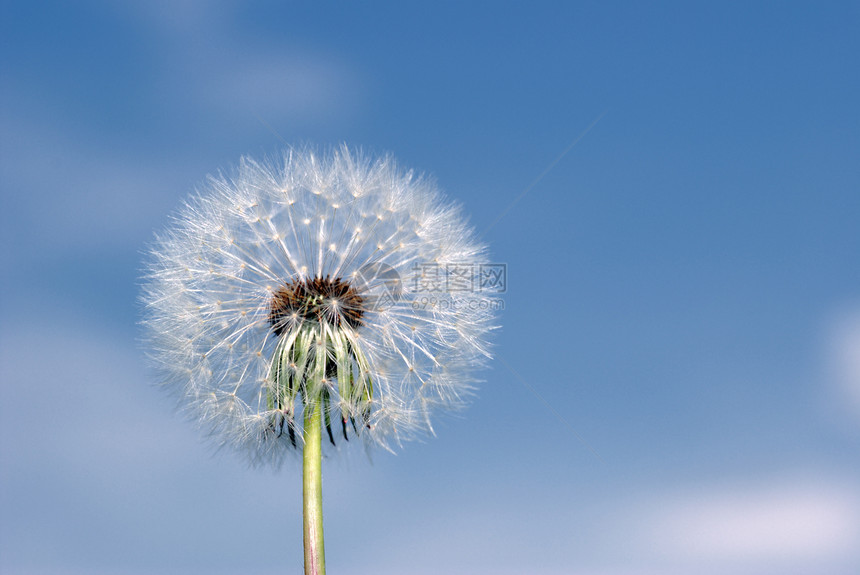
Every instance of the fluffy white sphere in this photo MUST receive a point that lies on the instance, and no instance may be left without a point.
(213, 275)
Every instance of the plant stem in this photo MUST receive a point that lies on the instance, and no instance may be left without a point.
(312, 489)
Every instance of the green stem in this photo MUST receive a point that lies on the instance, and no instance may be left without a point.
(312, 489)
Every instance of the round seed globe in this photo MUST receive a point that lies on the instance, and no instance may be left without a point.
(315, 279)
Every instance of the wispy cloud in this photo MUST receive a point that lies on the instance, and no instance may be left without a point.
(764, 524)
(282, 87)
(61, 190)
(92, 461)
(219, 68)
(66, 174)
(843, 355)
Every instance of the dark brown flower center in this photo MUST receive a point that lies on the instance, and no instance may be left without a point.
(320, 299)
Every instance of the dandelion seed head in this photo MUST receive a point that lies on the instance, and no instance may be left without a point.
(290, 279)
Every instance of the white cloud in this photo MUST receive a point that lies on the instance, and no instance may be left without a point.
(230, 71)
(773, 524)
(281, 87)
(66, 177)
(844, 355)
(65, 194)
(176, 18)
(93, 462)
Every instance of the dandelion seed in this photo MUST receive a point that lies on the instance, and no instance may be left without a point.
(284, 292)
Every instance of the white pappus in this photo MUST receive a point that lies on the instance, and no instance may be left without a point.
(315, 277)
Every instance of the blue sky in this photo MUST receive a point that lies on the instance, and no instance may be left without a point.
(678, 389)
